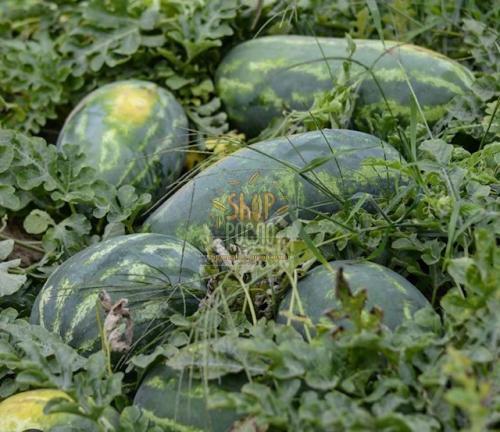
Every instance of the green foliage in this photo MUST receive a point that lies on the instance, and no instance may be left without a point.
(60, 201)
(9, 283)
(468, 33)
(32, 357)
(52, 52)
(427, 375)
(436, 24)
(436, 372)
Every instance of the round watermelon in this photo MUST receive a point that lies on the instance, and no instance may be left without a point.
(260, 79)
(397, 297)
(24, 411)
(156, 275)
(132, 132)
(178, 401)
(242, 194)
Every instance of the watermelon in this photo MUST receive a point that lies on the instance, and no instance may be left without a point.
(179, 402)
(24, 411)
(158, 275)
(244, 193)
(396, 296)
(132, 132)
(261, 78)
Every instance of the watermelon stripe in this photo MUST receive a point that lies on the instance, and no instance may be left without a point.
(175, 400)
(60, 296)
(432, 114)
(83, 315)
(150, 135)
(171, 425)
(141, 160)
(400, 75)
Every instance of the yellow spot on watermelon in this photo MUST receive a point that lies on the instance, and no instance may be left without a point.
(131, 104)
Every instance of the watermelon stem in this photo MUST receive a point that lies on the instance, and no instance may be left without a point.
(104, 341)
(493, 115)
(248, 299)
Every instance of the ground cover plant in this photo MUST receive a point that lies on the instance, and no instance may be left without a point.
(218, 338)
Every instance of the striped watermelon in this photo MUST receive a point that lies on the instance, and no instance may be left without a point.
(132, 132)
(261, 78)
(24, 411)
(243, 192)
(158, 275)
(178, 402)
(397, 297)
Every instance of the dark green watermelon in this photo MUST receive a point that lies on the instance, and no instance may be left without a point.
(398, 298)
(261, 78)
(158, 275)
(243, 193)
(132, 132)
(179, 402)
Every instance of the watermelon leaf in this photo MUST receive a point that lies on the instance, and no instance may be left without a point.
(9, 283)
(37, 222)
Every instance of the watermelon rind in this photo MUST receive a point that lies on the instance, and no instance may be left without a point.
(175, 399)
(25, 411)
(260, 79)
(158, 275)
(248, 191)
(397, 297)
(132, 132)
